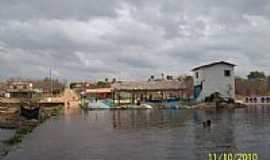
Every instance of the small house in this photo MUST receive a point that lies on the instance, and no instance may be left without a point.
(20, 89)
(79, 85)
(214, 77)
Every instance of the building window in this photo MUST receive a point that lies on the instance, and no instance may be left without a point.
(197, 75)
(227, 73)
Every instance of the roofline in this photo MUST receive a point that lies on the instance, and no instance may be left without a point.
(212, 64)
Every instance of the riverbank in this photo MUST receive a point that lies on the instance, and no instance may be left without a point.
(23, 127)
(214, 105)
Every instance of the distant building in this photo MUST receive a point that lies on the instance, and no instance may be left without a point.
(20, 89)
(49, 87)
(79, 85)
(3, 88)
(214, 77)
(100, 93)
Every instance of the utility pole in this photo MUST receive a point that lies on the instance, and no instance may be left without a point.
(50, 81)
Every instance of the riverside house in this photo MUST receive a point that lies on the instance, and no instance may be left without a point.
(214, 77)
(100, 93)
(20, 89)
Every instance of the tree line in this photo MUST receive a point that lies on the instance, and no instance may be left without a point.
(256, 83)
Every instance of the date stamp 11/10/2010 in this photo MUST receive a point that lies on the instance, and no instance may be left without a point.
(233, 156)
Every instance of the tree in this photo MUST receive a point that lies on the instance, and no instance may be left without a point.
(46, 79)
(101, 84)
(169, 77)
(256, 75)
(268, 83)
(162, 76)
(188, 78)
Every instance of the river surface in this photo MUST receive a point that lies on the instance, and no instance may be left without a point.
(147, 135)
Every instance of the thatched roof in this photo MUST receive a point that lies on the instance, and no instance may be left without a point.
(99, 90)
(148, 85)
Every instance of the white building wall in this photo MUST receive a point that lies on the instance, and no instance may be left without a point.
(214, 80)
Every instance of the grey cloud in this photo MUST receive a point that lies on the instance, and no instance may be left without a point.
(57, 9)
(130, 39)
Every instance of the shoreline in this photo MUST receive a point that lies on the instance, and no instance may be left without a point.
(26, 127)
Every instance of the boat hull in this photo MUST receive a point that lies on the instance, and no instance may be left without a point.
(30, 113)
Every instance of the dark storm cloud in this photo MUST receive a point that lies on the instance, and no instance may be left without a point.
(126, 39)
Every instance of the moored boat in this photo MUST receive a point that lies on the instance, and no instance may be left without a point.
(146, 106)
(99, 104)
(168, 103)
(30, 112)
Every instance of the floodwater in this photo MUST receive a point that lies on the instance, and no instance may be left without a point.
(147, 135)
(4, 135)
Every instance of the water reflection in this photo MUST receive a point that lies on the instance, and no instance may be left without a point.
(148, 134)
(5, 134)
(148, 118)
(219, 138)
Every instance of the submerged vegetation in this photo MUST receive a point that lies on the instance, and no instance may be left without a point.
(19, 135)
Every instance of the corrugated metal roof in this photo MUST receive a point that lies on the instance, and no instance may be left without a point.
(213, 64)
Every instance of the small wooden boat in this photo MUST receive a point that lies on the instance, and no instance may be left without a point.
(4, 124)
(30, 112)
(6, 112)
(146, 106)
(93, 105)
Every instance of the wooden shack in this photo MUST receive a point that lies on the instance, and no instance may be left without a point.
(141, 91)
(20, 89)
(100, 93)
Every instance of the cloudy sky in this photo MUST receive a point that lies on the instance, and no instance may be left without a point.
(130, 39)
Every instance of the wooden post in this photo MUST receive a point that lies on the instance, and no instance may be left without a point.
(133, 98)
(119, 97)
(113, 97)
(181, 94)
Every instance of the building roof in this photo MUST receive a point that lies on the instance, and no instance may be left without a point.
(10, 90)
(148, 85)
(213, 64)
(99, 90)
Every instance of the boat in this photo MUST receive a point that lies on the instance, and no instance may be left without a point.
(146, 106)
(168, 103)
(30, 112)
(99, 104)
(163, 101)
(140, 106)
(5, 111)
(7, 124)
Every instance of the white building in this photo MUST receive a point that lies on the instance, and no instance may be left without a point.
(214, 77)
